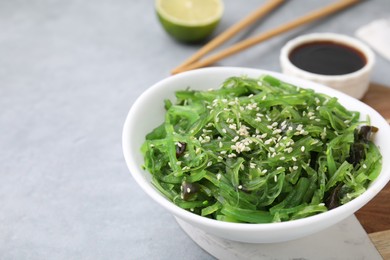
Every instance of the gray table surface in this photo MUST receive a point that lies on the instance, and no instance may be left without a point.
(69, 72)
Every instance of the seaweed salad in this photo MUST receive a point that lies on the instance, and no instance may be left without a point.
(259, 150)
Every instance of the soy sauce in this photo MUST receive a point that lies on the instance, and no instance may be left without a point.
(327, 58)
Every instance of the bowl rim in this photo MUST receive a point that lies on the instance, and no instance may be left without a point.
(135, 170)
(333, 37)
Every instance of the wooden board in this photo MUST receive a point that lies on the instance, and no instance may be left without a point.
(378, 97)
(381, 240)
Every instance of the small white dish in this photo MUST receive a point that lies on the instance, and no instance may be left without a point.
(148, 112)
(354, 84)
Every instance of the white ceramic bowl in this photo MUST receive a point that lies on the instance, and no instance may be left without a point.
(354, 84)
(148, 112)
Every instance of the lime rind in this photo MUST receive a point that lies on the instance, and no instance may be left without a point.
(187, 33)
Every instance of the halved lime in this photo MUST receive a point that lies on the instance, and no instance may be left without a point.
(189, 20)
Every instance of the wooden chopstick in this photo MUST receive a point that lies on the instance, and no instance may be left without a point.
(229, 33)
(310, 17)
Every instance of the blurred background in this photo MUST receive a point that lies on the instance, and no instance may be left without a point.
(69, 73)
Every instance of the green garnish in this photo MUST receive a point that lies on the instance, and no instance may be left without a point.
(260, 151)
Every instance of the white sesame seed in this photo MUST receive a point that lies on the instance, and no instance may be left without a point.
(295, 167)
(364, 166)
(220, 144)
(178, 163)
(302, 148)
(279, 168)
(224, 130)
(294, 159)
(277, 131)
(275, 178)
(282, 158)
(209, 164)
(239, 187)
(233, 126)
(235, 138)
(188, 190)
(219, 176)
(269, 126)
(264, 171)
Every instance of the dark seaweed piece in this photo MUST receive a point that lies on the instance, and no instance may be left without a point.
(364, 133)
(189, 190)
(333, 200)
(357, 153)
(180, 149)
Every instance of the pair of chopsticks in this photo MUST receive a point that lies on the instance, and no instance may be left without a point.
(195, 61)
